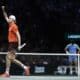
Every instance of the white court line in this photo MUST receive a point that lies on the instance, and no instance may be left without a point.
(41, 78)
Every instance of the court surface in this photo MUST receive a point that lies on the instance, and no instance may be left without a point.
(41, 78)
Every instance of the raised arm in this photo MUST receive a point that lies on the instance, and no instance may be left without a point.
(5, 14)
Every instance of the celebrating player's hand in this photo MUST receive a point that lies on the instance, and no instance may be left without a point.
(19, 48)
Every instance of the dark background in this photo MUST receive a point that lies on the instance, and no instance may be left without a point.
(42, 23)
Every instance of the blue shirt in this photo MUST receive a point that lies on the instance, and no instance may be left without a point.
(72, 48)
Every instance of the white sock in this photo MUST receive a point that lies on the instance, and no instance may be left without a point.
(23, 66)
(7, 72)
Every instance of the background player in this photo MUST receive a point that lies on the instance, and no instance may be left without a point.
(14, 40)
(72, 48)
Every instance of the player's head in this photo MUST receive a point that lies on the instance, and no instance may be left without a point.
(12, 18)
(72, 41)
